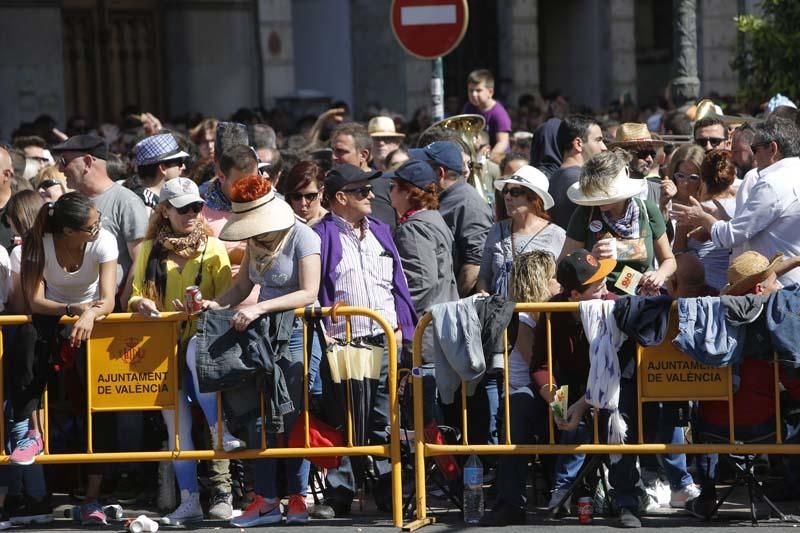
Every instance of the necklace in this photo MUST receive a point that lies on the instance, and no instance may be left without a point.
(73, 261)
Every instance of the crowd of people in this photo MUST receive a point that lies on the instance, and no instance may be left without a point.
(589, 210)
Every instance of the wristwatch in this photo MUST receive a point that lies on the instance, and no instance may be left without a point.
(69, 310)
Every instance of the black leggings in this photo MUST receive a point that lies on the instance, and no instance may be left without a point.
(29, 367)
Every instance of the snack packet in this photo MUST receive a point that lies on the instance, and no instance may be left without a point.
(559, 403)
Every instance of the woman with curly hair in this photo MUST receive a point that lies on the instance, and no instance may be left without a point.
(283, 257)
(179, 251)
(716, 192)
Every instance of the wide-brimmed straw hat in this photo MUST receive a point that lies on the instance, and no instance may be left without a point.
(531, 178)
(631, 135)
(748, 270)
(383, 127)
(621, 188)
(263, 215)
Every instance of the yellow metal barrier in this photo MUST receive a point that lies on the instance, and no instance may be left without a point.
(132, 366)
(648, 392)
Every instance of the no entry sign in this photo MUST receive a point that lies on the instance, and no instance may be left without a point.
(429, 28)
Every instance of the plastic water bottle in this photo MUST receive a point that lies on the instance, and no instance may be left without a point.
(473, 491)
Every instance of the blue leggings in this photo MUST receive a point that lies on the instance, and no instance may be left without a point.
(186, 471)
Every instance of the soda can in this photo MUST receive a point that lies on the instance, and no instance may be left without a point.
(585, 510)
(193, 299)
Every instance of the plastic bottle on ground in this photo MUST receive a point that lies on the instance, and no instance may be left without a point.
(473, 491)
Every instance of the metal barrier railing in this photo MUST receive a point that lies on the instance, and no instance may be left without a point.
(149, 345)
(424, 450)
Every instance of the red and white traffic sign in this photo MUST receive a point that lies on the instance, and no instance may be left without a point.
(429, 28)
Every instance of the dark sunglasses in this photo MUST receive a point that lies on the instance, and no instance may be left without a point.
(46, 184)
(195, 208)
(644, 154)
(714, 141)
(170, 163)
(297, 196)
(363, 192)
(516, 192)
(691, 177)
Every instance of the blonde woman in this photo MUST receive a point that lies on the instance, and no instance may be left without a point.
(50, 184)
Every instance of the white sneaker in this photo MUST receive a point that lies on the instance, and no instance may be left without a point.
(680, 497)
(229, 442)
(187, 512)
(556, 497)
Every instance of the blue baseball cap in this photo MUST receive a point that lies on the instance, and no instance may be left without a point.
(417, 173)
(443, 153)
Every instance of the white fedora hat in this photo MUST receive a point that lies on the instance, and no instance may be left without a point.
(621, 188)
(533, 179)
(263, 215)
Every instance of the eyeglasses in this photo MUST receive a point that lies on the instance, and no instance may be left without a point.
(516, 192)
(681, 177)
(644, 154)
(195, 208)
(756, 146)
(714, 141)
(95, 229)
(297, 196)
(363, 192)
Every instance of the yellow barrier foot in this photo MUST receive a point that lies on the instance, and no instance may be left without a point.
(419, 523)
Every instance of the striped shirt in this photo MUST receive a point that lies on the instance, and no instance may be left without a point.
(363, 279)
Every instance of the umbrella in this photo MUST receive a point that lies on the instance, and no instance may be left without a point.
(352, 374)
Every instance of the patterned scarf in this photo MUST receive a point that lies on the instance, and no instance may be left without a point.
(266, 248)
(215, 198)
(186, 246)
(626, 227)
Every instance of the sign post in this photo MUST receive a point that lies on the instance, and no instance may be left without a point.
(430, 29)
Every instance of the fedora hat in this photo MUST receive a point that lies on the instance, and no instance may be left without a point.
(621, 188)
(633, 135)
(262, 215)
(530, 178)
(382, 127)
(748, 270)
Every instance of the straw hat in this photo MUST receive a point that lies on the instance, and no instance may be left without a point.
(382, 127)
(635, 135)
(263, 215)
(748, 270)
(531, 178)
(621, 188)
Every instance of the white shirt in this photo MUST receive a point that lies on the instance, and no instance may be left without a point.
(82, 285)
(768, 220)
(5, 277)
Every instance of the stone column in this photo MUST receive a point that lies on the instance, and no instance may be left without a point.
(518, 25)
(277, 53)
(685, 83)
(622, 33)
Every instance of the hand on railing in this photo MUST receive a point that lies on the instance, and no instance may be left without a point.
(82, 329)
(147, 307)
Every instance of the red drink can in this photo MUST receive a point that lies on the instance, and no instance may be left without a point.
(585, 510)
(193, 299)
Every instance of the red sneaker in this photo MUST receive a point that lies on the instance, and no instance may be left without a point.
(297, 512)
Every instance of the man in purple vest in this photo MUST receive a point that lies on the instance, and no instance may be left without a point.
(361, 267)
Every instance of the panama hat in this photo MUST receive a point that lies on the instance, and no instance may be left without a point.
(262, 215)
(621, 188)
(382, 127)
(531, 178)
(632, 135)
(748, 270)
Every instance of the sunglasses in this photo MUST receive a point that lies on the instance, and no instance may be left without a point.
(63, 161)
(363, 192)
(713, 141)
(516, 192)
(95, 229)
(691, 177)
(195, 208)
(171, 163)
(297, 196)
(46, 184)
(644, 154)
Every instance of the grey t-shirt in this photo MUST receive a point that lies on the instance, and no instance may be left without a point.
(497, 255)
(560, 181)
(282, 277)
(125, 217)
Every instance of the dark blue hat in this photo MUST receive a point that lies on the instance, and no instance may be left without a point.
(444, 153)
(342, 175)
(415, 172)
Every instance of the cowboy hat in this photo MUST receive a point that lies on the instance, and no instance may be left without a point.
(634, 135)
(621, 188)
(530, 178)
(263, 215)
(748, 270)
(382, 127)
